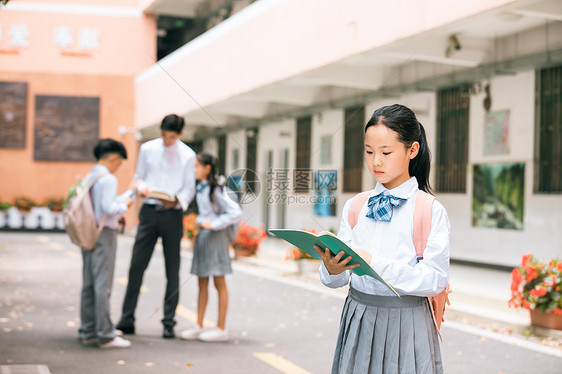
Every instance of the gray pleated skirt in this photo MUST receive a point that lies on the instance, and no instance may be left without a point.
(387, 334)
(210, 254)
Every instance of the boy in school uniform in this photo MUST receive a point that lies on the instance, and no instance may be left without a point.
(96, 328)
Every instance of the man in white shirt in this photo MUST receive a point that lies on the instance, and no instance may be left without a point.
(166, 165)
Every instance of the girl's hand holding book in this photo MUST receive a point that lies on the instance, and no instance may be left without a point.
(206, 225)
(335, 264)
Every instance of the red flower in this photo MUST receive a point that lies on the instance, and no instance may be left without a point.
(559, 266)
(525, 259)
(531, 273)
(538, 292)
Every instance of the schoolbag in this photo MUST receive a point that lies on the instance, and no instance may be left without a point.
(422, 228)
(79, 218)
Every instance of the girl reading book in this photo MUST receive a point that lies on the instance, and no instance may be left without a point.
(380, 332)
(217, 211)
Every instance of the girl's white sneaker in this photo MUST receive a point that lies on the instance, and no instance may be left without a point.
(214, 335)
(192, 333)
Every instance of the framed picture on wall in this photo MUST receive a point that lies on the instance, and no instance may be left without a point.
(13, 114)
(325, 188)
(66, 128)
(498, 198)
(496, 133)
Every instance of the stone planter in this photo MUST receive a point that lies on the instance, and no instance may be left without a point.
(46, 218)
(59, 220)
(15, 218)
(546, 319)
(242, 252)
(3, 218)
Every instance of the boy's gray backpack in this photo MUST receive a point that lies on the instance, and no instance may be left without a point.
(79, 217)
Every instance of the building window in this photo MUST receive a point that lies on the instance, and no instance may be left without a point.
(221, 143)
(354, 122)
(452, 139)
(251, 156)
(548, 149)
(303, 174)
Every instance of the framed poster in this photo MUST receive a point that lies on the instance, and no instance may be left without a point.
(499, 196)
(496, 133)
(325, 187)
(13, 114)
(66, 128)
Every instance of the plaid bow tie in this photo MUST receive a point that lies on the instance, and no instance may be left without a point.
(201, 186)
(380, 206)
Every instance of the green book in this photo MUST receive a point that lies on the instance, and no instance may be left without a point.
(306, 241)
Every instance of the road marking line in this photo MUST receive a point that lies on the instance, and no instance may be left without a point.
(124, 281)
(191, 316)
(280, 363)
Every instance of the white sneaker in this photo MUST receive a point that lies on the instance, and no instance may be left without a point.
(117, 342)
(192, 333)
(214, 335)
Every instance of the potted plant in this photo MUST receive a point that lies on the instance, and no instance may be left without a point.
(53, 212)
(305, 263)
(190, 226)
(248, 239)
(537, 287)
(4, 206)
(24, 204)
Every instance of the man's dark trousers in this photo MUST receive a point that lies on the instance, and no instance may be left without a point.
(155, 221)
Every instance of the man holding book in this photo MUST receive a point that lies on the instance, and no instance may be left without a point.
(165, 177)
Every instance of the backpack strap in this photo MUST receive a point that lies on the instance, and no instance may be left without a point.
(89, 188)
(356, 205)
(422, 221)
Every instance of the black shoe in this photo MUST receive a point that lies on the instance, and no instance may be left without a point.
(168, 333)
(126, 330)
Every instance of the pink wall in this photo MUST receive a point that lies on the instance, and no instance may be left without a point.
(125, 45)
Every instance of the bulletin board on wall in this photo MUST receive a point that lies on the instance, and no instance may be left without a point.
(66, 128)
(13, 114)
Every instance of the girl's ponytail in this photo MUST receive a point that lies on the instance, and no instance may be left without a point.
(213, 179)
(420, 165)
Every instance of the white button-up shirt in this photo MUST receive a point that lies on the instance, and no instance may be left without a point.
(392, 248)
(225, 211)
(105, 199)
(167, 169)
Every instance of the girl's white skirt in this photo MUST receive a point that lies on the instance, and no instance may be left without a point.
(387, 334)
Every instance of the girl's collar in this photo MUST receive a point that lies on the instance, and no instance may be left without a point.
(404, 191)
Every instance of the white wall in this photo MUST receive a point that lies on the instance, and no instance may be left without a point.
(542, 214)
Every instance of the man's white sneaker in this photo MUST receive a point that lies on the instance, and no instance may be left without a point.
(192, 333)
(117, 342)
(214, 335)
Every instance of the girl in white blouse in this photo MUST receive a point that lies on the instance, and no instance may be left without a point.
(217, 213)
(379, 332)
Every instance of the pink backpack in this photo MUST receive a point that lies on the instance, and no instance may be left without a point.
(422, 228)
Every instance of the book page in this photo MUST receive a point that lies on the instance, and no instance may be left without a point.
(153, 194)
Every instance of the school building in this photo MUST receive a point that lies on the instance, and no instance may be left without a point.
(284, 88)
(67, 78)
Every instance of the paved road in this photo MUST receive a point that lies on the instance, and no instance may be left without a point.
(277, 325)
